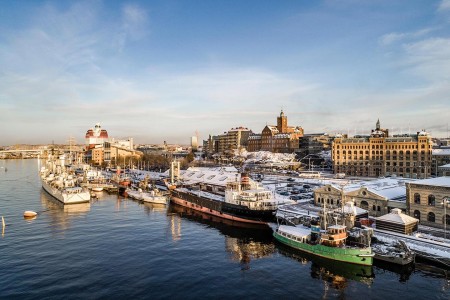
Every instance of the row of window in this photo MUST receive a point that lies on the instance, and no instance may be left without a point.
(431, 199)
(422, 146)
(388, 153)
(431, 217)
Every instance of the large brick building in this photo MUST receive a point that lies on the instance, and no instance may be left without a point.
(405, 155)
(280, 138)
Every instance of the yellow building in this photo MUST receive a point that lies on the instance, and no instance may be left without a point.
(378, 197)
(405, 155)
(429, 201)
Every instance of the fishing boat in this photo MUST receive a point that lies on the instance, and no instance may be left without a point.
(244, 200)
(329, 243)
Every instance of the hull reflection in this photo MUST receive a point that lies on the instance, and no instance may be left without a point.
(61, 214)
(227, 227)
(335, 272)
(243, 241)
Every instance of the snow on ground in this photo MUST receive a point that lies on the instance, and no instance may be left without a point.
(264, 156)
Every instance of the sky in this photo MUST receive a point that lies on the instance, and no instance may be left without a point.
(164, 70)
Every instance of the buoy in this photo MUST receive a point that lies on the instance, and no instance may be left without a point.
(29, 214)
(3, 222)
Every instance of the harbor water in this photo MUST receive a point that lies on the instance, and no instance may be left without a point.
(116, 248)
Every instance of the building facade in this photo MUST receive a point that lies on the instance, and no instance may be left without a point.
(226, 143)
(405, 155)
(440, 162)
(429, 201)
(377, 197)
(96, 136)
(280, 138)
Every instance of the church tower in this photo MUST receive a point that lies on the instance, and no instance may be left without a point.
(282, 123)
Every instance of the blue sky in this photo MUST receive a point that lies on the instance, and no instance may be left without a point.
(160, 70)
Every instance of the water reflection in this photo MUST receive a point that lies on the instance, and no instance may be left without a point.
(333, 273)
(60, 214)
(153, 207)
(403, 272)
(243, 242)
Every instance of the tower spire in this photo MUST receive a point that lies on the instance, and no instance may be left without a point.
(378, 124)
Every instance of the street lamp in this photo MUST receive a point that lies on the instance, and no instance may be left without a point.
(445, 202)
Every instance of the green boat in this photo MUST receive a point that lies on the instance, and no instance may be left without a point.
(330, 243)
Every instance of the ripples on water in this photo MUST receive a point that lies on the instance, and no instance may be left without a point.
(116, 248)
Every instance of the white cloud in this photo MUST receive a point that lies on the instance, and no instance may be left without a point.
(445, 5)
(394, 37)
(134, 21)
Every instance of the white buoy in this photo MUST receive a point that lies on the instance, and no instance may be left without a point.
(29, 214)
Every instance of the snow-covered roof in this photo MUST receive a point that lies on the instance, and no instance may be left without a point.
(298, 231)
(351, 208)
(445, 151)
(389, 188)
(392, 193)
(445, 166)
(396, 216)
(438, 181)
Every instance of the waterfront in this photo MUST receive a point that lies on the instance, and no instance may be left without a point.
(117, 248)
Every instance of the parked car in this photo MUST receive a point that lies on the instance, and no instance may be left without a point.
(290, 179)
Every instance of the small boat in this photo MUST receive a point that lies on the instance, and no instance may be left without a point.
(135, 194)
(154, 196)
(397, 253)
(97, 189)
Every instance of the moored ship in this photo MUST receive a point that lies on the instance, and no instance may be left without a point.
(329, 243)
(244, 201)
(63, 186)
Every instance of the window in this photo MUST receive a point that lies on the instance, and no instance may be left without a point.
(417, 198)
(431, 200)
(431, 217)
(417, 214)
(364, 205)
(447, 219)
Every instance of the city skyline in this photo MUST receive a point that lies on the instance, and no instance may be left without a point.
(161, 70)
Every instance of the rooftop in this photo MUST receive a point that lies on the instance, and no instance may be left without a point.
(438, 181)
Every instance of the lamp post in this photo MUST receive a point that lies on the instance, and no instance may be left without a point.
(445, 202)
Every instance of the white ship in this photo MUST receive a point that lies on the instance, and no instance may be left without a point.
(61, 185)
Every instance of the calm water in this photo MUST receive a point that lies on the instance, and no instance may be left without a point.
(117, 248)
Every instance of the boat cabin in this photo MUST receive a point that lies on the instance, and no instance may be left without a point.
(335, 236)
